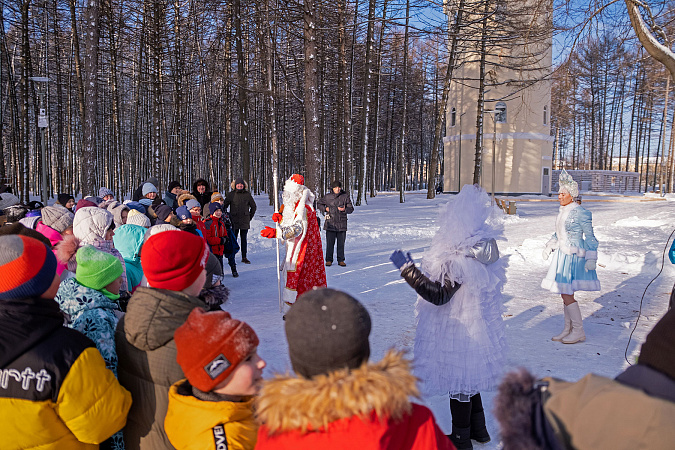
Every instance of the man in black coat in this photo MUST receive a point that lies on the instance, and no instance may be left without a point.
(242, 209)
(335, 206)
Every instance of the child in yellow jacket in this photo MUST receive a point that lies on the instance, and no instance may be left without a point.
(213, 407)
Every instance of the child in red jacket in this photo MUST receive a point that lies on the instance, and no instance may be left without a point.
(215, 229)
(338, 399)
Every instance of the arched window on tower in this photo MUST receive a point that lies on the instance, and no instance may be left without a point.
(453, 117)
(545, 115)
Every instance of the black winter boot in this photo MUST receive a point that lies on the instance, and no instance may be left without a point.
(235, 274)
(461, 438)
(479, 431)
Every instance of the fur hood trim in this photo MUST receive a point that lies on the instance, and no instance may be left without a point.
(513, 409)
(232, 188)
(182, 198)
(382, 389)
(66, 249)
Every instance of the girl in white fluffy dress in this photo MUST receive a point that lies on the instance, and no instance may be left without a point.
(573, 265)
(460, 344)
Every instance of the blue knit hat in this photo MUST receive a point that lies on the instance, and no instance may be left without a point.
(192, 203)
(213, 207)
(183, 213)
(104, 191)
(148, 187)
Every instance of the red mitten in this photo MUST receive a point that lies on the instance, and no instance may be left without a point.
(277, 217)
(268, 232)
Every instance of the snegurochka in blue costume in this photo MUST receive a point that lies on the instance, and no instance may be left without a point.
(575, 253)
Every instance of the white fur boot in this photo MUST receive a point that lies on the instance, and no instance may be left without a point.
(577, 334)
(566, 330)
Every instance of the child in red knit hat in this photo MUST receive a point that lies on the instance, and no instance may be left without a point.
(213, 407)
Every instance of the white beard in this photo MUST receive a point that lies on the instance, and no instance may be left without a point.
(291, 194)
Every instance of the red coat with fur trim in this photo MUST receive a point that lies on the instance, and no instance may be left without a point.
(366, 409)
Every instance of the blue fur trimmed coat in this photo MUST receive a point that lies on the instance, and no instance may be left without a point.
(580, 238)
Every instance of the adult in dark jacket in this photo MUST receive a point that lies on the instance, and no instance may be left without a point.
(634, 410)
(242, 209)
(174, 265)
(56, 390)
(335, 206)
(202, 192)
(171, 195)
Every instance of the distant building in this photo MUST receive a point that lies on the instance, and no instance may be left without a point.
(524, 146)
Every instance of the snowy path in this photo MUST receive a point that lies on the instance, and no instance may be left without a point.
(632, 237)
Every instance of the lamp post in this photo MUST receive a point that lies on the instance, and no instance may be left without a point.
(493, 113)
(498, 115)
(43, 123)
(459, 162)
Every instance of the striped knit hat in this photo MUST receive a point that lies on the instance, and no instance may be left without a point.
(27, 267)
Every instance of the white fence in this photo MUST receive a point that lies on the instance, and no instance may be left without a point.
(600, 180)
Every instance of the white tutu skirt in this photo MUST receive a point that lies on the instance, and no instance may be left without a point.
(567, 274)
(460, 347)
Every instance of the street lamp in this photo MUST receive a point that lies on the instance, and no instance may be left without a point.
(498, 115)
(41, 86)
(459, 163)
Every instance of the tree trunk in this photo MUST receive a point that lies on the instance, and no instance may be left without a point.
(478, 160)
(440, 114)
(365, 103)
(373, 159)
(404, 112)
(241, 93)
(89, 160)
(312, 137)
(343, 97)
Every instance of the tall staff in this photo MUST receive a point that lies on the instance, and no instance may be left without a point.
(265, 47)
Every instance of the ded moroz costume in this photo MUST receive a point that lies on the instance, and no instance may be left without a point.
(303, 267)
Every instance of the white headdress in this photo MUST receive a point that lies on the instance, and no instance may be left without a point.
(568, 184)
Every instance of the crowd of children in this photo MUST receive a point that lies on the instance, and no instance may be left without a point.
(115, 334)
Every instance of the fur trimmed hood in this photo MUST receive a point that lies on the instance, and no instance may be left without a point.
(232, 188)
(513, 408)
(66, 250)
(383, 388)
(184, 197)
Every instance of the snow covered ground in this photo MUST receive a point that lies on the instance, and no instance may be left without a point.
(632, 231)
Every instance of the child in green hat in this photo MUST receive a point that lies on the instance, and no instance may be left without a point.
(90, 300)
(90, 304)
